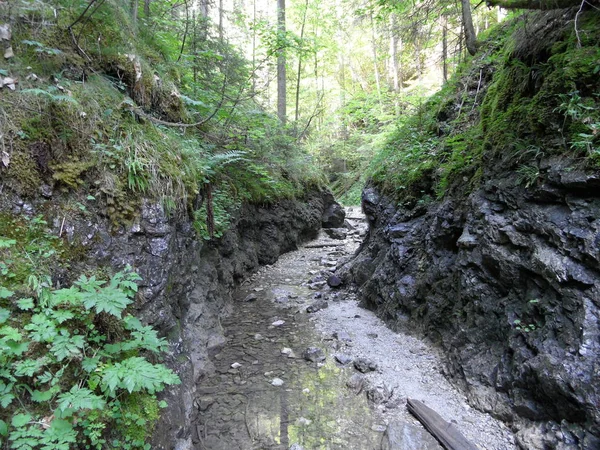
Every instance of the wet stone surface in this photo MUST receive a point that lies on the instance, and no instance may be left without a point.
(272, 388)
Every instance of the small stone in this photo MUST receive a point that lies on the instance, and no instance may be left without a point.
(379, 428)
(286, 351)
(303, 421)
(277, 382)
(334, 281)
(306, 391)
(317, 306)
(236, 365)
(356, 383)
(296, 447)
(8, 53)
(250, 298)
(278, 323)
(314, 354)
(364, 365)
(258, 337)
(258, 289)
(46, 191)
(343, 359)
(205, 403)
(372, 335)
(342, 336)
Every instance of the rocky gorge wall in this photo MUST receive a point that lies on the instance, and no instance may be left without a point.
(506, 279)
(186, 282)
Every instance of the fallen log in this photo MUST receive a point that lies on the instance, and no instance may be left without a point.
(327, 244)
(446, 433)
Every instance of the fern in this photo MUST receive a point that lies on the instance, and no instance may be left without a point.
(50, 96)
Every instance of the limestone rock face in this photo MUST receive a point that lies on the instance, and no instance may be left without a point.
(186, 282)
(507, 280)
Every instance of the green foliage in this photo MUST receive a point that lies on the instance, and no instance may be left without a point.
(70, 384)
(521, 111)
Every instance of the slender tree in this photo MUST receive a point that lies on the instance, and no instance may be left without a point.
(281, 77)
(467, 19)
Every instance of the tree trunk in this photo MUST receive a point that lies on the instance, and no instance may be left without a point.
(375, 65)
(147, 8)
(281, 85)
(445, 47)
(467, 19)
(134, 13)
(221, 20)
(297, 112)
(394, 62)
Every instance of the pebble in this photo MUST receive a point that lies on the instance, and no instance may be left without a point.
(278, 323)
(277, 382)
(236, 365)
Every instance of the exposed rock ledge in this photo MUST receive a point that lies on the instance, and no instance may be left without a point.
(187, 283)
(507, 281)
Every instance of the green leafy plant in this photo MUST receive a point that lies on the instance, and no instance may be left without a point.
(70, 386)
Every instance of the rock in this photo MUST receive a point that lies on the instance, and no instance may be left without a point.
(314, 354)
(328, 263)
(343, 359)
(336, 233)
(466, 240)
(278, 323)
(356, 383)
(342, 336)
(205, 402)
(372, 335)
(334, 281)
(333, 216)
(236, 365)
(277, 382)
(46, 191)
(296, 447)
(258, 337)
(250, 298)
(303, 421)
(288, 352)
(364, 365)
(403, 436)
(317, 306)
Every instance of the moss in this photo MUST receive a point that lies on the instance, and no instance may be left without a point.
(139, 413)
(70, 173)
(22, 173)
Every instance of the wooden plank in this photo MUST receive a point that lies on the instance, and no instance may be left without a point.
(443, 431)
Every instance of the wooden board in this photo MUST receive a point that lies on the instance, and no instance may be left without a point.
(445, 432)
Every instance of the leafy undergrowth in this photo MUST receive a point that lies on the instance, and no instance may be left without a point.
(532, 91)
(75, 367)
(120, 110)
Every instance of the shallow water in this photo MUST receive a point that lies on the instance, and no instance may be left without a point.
(240, 408)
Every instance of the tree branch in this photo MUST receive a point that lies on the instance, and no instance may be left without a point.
(543, 5)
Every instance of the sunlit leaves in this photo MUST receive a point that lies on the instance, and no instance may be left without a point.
(135, 374)
(79, 398)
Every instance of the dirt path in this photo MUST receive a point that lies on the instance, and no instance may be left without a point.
(279, 382)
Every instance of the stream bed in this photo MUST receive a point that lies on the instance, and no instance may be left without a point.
(333, 377)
